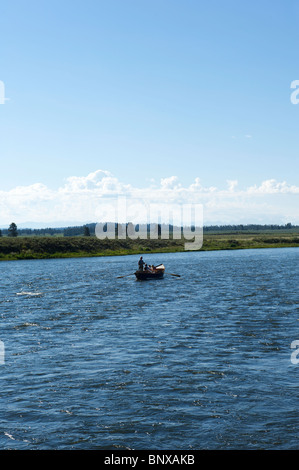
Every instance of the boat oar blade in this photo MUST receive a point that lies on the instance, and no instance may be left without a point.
(126, 275)
(171, 274)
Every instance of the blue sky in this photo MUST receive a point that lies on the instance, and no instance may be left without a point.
(149, 90)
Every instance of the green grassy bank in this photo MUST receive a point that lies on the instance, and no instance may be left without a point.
(36, 247)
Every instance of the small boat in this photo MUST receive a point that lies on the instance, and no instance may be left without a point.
(156, 273)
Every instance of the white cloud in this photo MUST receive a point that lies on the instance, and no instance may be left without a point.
(99, 182)
(170, 183)
(82, 199)
(232, 184)
(273, 187)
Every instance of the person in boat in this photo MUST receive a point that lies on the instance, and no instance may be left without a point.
(146, 267)
(140, 264)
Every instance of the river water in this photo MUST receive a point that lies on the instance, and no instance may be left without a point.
(203, 361)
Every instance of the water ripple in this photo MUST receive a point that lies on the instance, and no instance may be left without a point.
(197, 362)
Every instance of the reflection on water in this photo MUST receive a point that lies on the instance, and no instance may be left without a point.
(197, 362)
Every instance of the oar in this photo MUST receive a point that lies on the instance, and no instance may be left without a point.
(171, 274)
(119, 277)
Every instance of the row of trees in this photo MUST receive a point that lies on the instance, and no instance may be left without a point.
(89, 229)
(85, 230)
(248, 227)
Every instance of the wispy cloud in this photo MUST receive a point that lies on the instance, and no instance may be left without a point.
(82, 199)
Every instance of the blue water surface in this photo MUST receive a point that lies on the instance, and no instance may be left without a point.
(203, 361)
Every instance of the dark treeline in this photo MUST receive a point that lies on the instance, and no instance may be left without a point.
(27, 232)
(248, 228)
(80, 230)
(89, 229)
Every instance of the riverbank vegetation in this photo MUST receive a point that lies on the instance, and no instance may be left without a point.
(39, 247)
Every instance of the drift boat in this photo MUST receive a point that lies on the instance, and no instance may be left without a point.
(156, 273)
